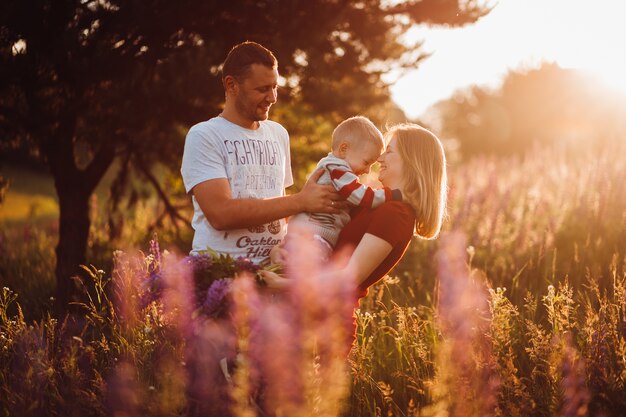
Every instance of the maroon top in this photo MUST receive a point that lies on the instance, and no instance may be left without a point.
(393, 221)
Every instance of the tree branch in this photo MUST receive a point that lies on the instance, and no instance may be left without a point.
(169, 208)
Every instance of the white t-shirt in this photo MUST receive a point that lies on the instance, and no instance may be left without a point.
(256, 163)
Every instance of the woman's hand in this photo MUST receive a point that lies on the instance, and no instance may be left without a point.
(273, 280)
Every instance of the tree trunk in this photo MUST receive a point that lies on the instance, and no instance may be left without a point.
(74, 187)
(73, 235)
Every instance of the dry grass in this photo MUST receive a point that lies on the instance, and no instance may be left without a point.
(519, 309)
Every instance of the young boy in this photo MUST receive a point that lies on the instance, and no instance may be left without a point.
(356, 145)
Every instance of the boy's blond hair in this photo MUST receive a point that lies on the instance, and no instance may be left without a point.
(424, 174)
(357, 130)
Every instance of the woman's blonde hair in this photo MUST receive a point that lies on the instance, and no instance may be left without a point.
(424, 173)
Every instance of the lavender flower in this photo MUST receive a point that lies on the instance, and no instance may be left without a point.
(155, 251)
(154, 282)
(215, 301)
(199, 263)
(245, 264)
(152, 289)
(211, 273)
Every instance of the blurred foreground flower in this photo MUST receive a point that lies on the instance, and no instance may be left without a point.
(215, 301)
(236, 348)
(210, 273)
(293, 345)
(466, 383)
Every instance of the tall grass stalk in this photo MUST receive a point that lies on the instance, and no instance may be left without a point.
(518, 310)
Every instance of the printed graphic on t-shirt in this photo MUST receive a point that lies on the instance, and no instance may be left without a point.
(257, 247)
(257, 229)
(257, 171)
(254, 151)
(256, 165)
(274, 227)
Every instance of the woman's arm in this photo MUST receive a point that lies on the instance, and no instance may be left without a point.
(370, 252)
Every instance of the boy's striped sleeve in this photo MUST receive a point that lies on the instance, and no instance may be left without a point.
(348, 185)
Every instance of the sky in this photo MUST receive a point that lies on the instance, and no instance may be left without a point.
(582, 34)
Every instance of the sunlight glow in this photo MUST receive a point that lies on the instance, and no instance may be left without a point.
(19, 47)
(517, 34)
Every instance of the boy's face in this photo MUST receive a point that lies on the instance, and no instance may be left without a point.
(361, 157)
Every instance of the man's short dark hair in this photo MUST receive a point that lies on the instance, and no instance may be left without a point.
(243, 55)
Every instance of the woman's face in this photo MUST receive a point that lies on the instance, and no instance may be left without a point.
(390, 174)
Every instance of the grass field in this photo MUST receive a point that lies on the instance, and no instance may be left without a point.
(31, 196)
(518, 309)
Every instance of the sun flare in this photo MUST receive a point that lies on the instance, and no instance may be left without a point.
(517, 34)
(591, 41)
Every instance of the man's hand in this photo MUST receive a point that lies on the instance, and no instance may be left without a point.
(316, 198)
(226, 213)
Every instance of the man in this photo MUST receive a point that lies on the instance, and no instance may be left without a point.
(237, 165)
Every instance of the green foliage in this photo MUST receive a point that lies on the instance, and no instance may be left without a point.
(310, 137)
(531, 368)
(393, 358)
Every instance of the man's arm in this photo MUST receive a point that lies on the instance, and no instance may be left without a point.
(225, 213)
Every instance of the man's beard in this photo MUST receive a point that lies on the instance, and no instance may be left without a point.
(249, 113)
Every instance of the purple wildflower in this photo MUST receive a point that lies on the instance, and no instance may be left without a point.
(199, 263)
(152, 288)
(155, 251)
(215, 301)
(308, 324)
(245, 264)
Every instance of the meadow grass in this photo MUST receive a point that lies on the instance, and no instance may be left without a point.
(30, 195)
(546, 243)
(519, 309)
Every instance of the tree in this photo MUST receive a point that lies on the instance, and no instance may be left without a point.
(4, 185)
(86, 82)
(543, 105)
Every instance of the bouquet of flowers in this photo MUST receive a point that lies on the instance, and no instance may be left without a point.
(212, 274)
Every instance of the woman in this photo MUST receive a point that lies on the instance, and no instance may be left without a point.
(415, 163)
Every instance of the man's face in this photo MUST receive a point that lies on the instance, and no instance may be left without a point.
(361, 158)
(255, 94)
